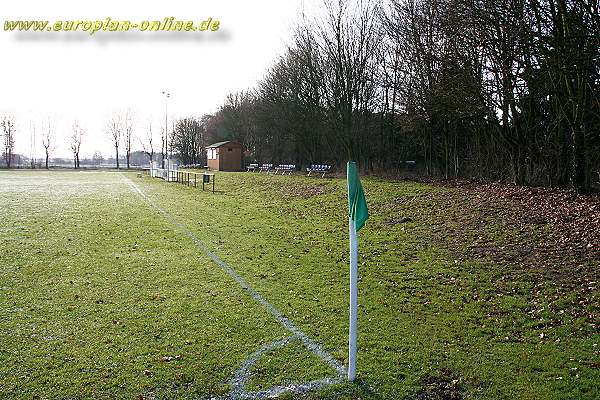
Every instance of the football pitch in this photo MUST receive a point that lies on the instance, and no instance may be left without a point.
(116, 286)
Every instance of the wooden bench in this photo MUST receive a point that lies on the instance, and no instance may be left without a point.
(265, 167)
(289, 168)
(252, 167)
(319, 168)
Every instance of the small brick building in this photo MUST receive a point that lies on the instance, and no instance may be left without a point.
(224, 156)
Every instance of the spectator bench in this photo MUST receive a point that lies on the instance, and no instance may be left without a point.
(265, 168)
(319, 168)
(285, 168)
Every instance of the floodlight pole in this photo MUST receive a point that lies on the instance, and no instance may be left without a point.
(167, 95)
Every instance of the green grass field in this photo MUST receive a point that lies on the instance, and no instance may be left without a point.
(104, 296)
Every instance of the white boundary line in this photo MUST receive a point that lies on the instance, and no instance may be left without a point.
(241, 376)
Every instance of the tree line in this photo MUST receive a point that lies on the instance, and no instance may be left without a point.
(119, 131)
(487, 89)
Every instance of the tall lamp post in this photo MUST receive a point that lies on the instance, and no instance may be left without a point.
(167, 95)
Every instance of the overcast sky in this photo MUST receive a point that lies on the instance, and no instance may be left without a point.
(77, 77)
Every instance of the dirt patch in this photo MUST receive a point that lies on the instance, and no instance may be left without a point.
(506, 221)
(396, 221)
(548, 238)
(446, 386)
(574, 219)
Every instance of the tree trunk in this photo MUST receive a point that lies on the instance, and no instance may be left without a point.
(578, 175)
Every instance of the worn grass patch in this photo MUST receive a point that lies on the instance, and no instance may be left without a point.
(102, 297)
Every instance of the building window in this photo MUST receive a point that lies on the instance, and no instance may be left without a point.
(212, 154)
(229, 149)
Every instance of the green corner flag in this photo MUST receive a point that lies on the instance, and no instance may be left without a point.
(357, 204)
(357, 215)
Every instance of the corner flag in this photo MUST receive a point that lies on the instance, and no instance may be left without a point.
(357, 216)
(357, 204)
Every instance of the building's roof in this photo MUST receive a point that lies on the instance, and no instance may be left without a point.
(223, 143)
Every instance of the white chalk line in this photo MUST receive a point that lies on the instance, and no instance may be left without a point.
(241, 376)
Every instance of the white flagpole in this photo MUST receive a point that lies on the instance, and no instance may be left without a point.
(353, 300)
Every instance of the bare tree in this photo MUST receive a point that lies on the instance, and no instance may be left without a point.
(349, 38)
(97, 158)
(32, 139)
(114, 133)
(48, 141)
(147, 145)
(128, 132)
(9, 132)
(76, 138)
(188, 136)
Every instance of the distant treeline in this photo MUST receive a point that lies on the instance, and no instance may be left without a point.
(488, 89)
(137, 159)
